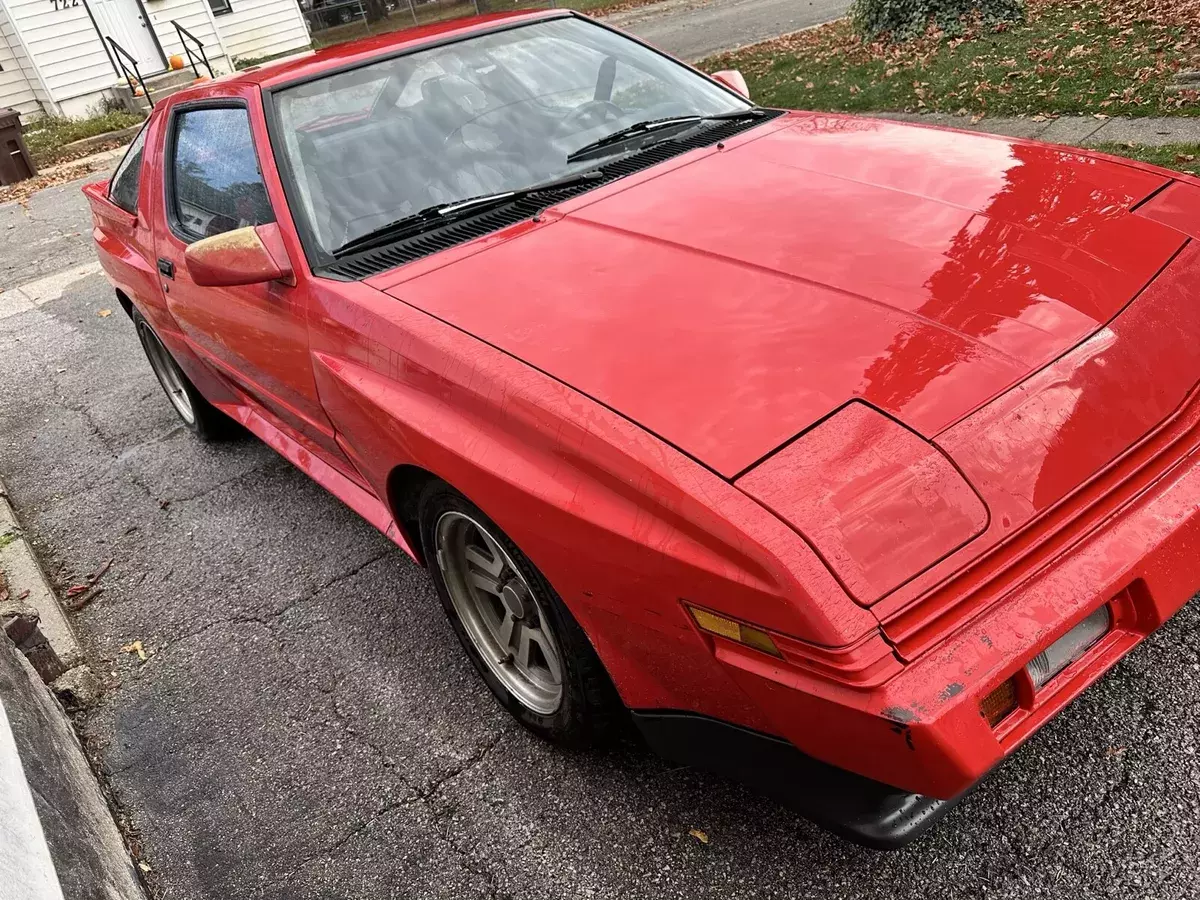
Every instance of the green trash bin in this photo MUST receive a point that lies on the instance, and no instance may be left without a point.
(15, 161)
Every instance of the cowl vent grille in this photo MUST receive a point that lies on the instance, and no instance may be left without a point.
(372, 262)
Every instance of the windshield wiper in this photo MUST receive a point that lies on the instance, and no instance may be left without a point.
(440, 214)
(593, 150)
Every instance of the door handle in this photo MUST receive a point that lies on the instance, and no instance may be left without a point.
(166, 268)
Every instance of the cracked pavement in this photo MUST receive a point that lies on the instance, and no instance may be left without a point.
(306, 725)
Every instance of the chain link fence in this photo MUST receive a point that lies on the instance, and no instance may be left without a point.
(335, 21)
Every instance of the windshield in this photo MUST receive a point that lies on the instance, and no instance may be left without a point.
(498, 112)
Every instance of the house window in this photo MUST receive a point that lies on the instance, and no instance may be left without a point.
(220, 7)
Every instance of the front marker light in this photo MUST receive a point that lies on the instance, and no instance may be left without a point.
(734, 631)
(999, 703)
(1069, 647)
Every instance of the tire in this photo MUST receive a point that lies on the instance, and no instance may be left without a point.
(586, 710)
(198, 415)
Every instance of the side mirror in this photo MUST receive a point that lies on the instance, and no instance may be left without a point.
(250, 255)
(734, 80)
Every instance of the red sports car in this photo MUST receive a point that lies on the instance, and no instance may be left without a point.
(839, 454)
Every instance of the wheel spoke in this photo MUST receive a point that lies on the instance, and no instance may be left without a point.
(493, 548)
(493, 565)
(505, 634)
(524, 643)
(550, 656)
(529, 637)
(485, 582)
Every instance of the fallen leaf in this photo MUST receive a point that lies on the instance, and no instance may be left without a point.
(1184, 157)
(76, 589)
(99, 573)
(1038, 118)
(1115, 751)
(1099, 116)
(135, 647)
(145, 866)
(699, 835)
(78, 603)
(104, 313)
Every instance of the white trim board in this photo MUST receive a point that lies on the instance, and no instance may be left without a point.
(26, 868)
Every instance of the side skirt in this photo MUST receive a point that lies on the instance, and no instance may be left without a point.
(359, 499)
(867, 812)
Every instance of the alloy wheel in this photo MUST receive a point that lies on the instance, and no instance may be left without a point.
(499, 612)
(168, 374)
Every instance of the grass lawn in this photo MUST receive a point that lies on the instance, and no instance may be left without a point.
(1069, 56)
(46, 136)
(1184, 157)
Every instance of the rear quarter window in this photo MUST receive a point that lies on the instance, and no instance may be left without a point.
(127, 180)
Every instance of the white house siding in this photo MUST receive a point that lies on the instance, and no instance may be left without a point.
(67, 51)
(263, 28)
(15, 90)
(196, 17)
(17, 48)
(53, 59)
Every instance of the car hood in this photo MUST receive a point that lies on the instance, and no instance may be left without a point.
(730, 300)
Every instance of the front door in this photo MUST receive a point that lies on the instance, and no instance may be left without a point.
(126, 23)
(255, 336)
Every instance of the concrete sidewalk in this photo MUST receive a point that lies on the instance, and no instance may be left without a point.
(1078, 131)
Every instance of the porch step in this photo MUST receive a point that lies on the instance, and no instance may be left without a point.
(177, 79)
(159, 86)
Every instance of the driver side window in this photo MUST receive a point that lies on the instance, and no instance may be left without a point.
(216, 183)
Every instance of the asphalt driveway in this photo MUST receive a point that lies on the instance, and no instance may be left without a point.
(694, 29)
(306, 726)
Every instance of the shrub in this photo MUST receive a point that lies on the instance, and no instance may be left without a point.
(902, 20)
(47, 136)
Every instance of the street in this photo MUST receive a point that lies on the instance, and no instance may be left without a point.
(305, 724)
(693, 29)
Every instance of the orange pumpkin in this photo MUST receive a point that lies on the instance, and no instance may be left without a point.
(175, 62)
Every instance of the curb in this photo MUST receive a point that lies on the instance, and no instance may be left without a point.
(65, 154)
(34, 617)
(59, 839)
(124, 135)
(94, 160)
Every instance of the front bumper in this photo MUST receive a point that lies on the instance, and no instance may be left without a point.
(859, 809)
(921, 729)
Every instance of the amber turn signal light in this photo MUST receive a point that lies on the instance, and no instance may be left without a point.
(734, 631)
(997, 705)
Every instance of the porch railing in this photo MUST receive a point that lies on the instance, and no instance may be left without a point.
(126, 62)
(200, 56)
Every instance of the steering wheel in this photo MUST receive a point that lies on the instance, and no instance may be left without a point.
(589, 115)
